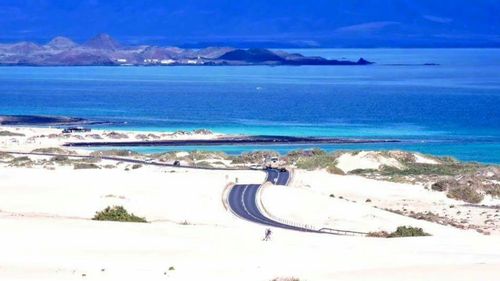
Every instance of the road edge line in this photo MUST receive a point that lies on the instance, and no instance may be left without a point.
(225, 195)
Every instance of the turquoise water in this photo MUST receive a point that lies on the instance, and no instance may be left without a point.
(448, 109)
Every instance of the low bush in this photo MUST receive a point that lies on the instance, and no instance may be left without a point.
(465, 193)
(334, 170)
(60, 158)
(117, 213)
(202, 155)
(445, 169)
(5, 155)
(441, 185)
(79, 166)
(379, 234)
(295, 155)
(362, 171)
(254, 157)
(494, 191)
(317, 161)
(114, 152)
(136, 166)
(53, 150)
(116, 135)
(408, 231)
(10, 134)
(204, 164)
(401, 231)
(22, 161)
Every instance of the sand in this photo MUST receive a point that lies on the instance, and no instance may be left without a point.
(41, 137)
(47, 232)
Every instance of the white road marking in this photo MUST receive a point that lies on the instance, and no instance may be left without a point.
(245, 207)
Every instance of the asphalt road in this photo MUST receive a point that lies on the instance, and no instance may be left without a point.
(242, 201)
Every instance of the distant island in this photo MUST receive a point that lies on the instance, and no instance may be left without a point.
(106, 51)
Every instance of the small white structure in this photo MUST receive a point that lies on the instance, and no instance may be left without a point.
(168, 61)
(121, 60)
(153, 61)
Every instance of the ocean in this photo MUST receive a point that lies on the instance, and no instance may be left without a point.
(451, 109)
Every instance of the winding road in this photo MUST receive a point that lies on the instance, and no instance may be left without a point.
(242, 198)
(243, 201)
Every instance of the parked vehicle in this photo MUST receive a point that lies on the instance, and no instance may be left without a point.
(275, 163)
(75, 130)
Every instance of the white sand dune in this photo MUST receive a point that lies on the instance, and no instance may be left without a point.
(46, 231)
(47, 235)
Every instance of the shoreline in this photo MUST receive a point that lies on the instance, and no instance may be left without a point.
(232, 140)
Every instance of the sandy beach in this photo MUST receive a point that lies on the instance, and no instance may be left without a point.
(46, 211)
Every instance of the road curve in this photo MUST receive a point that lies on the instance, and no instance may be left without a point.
(243, 201)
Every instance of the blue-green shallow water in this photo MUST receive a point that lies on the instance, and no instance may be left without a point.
(449, 109)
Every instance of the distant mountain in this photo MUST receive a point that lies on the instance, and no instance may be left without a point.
(252, 55)
(22, 47)
(104, 50)
(103, 41)
(60, 42)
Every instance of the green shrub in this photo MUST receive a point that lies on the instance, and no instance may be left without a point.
(445, 169)
(5, 155)
(136, 166)
(79, 166)
(10, 134)
(379, 234)
(164, 156)
(294, 155)
(319, 161)
(362, 171)
(401, 231)
(60, 158)
(254, 157)
(334, 170)
(117, 213)
(494, 191)
(408, 231)
(441, 185)
(22, 161)
(202, 155)
(114, 152)
(204, 164)
(53, 150)
(465, 193)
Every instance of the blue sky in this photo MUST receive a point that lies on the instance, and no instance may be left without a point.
(293, 23)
